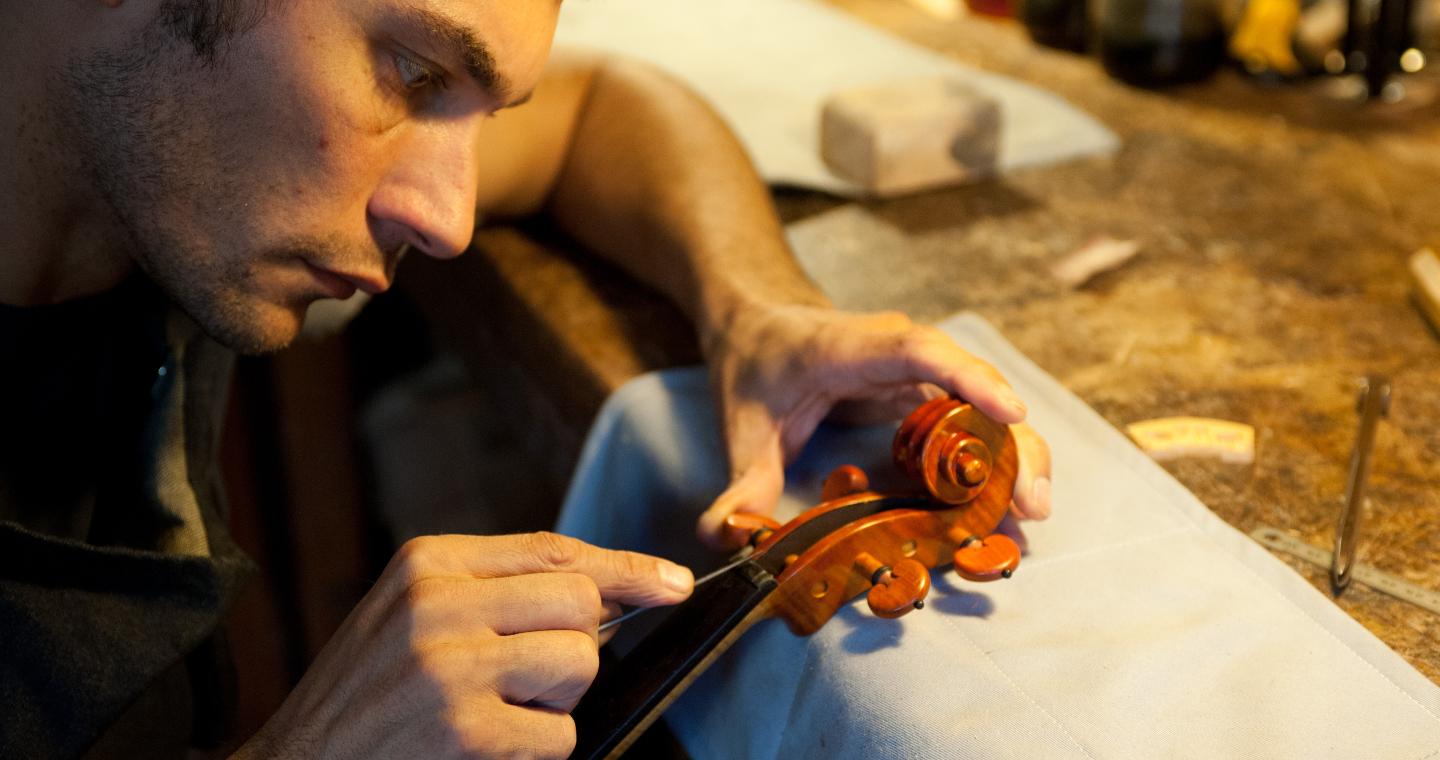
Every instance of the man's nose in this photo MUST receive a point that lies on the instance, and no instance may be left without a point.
(427, 199)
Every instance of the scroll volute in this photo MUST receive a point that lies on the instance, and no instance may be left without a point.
(968, 464)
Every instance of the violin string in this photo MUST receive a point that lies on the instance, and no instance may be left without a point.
(710, 576)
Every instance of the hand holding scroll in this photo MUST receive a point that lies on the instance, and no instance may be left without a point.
(779, 371)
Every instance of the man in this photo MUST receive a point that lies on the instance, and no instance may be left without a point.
(183, 178)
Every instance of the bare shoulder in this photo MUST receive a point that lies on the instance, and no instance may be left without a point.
(523, 149)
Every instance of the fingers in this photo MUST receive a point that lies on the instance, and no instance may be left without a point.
(757, 456)
(755, 491)
(543, 668)
(929, 355)
(1010, 526)
(505, 730)
(886, 405)
(627, 577)
(1032, 481)
(450, 608)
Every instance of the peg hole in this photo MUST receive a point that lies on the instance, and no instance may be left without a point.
(909, 548)
(820, 589)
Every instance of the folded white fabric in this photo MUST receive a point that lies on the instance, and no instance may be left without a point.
(767, 65)
(1140, 625)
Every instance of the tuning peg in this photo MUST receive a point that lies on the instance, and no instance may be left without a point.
(895, 590)
(987, 559)
(755, 528)
(843, 481)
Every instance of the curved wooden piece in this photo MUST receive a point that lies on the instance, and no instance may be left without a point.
(987, 559)
(815, 583)
(844, 480)
(950, 446)
(898, 590)
(755, 528)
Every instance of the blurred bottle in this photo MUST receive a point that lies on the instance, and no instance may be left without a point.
(1155, 43)
(1056, 23)
(1263, 39)
(1379, 35)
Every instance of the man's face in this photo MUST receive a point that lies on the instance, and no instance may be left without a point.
(299, 162)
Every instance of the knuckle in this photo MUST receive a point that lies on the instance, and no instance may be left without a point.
(554, 549)
(534, 746)
(469, 737)
(410, 559)
(892, 320)
(631, 565)
(572, 665)
(919, 339)
(422, 592)
(584, 596)
(582, 659)
(568, 658)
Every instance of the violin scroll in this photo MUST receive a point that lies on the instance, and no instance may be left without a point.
(950, 446)
(858, 541)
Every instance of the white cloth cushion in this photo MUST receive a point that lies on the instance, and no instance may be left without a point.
(1140, 625)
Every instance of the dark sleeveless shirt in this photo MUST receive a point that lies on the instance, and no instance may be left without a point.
(115, 565)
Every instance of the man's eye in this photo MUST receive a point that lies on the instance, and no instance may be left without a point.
(416, 77)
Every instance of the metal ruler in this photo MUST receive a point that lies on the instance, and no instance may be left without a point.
(1366, 574)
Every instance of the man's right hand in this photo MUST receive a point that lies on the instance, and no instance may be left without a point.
(467, 646)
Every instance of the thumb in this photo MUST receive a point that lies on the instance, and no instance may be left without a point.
(755, 488)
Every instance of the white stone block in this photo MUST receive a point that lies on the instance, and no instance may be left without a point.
(910, 136)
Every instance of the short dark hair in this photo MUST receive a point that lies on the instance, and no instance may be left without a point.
(207, 24)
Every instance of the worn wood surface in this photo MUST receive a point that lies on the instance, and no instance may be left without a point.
(1274, 225)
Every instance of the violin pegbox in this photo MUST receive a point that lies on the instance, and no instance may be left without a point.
(967, 464)
(943, 444)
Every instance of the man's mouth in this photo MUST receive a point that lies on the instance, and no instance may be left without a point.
(342, 285)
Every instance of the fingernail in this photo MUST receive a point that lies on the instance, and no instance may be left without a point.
(1040, 498)
(1013, 401)
(676, 578)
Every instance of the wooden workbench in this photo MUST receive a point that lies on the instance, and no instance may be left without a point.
(1274, 226)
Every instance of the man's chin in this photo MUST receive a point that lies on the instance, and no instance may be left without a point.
(265, 330)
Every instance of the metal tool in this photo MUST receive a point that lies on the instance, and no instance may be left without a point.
(1366, 574)
(739, 560)
(1372, 404)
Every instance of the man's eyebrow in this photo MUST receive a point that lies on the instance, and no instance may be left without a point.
(464, 45)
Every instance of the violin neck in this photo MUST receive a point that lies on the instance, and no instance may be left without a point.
(627, 698)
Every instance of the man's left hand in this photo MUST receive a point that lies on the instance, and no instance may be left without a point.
(780, 371)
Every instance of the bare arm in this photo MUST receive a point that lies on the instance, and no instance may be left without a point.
(642, 172)
(650, 179)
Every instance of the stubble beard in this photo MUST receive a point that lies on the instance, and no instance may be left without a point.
(146, 133)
